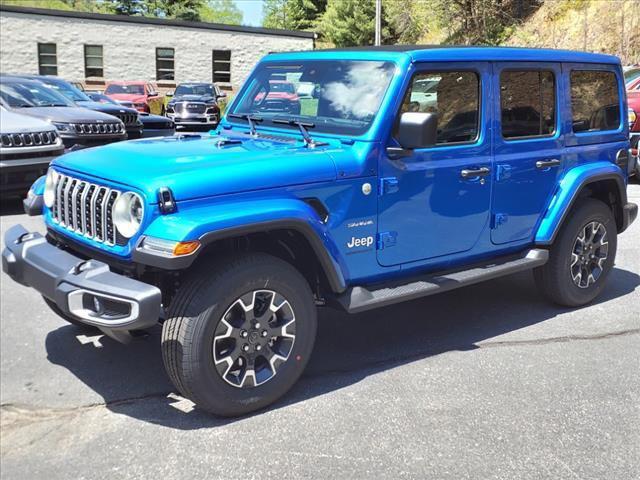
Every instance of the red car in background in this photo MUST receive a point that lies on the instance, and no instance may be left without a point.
(633, 98)
(281, 96)
(141, 95)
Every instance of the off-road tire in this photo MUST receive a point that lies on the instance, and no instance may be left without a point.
(554, 279)
(195, 314)
(52, 305)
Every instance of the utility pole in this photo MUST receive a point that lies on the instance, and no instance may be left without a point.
(378, 22)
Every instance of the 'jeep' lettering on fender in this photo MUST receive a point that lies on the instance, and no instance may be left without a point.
(360, 242)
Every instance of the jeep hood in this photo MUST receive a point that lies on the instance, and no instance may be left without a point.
(130, 97)
(194, 166)
(66, 114)
(193, 98)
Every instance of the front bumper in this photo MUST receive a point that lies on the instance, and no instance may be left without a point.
(194, 119)
(86, 290)
(158, 132)
(17, 175)
(84, 141)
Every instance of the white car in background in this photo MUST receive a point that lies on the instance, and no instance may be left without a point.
(27, 145)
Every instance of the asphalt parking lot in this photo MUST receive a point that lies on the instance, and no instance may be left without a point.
(487, 382)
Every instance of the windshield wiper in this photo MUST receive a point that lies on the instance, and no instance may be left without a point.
(250, 120)
(53, 105)
(303, 126)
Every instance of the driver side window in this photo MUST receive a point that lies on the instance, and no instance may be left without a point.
(453, 96)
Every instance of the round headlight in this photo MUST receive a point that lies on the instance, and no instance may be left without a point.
(50, 188)
(127, 214)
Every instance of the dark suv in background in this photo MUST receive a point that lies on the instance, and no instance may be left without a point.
(77, 126)
(195, 104)
(128, 116)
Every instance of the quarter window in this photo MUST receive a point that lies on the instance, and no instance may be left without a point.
(93, 66)
(595, 103)
(47, 59)
(221, 61)
(453, 96)
(528, 103)
(165, 64)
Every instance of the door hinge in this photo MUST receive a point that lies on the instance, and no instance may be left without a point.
(388, 185)
(498, 219)
(386, 239)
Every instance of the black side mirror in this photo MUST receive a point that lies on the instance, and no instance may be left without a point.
(418, 130)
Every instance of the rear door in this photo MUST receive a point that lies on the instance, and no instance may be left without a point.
(528, 146)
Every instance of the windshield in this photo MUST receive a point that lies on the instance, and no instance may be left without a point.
(127, 89)
(31, 94)
(339, 96)
(200, 90)
(68, 90)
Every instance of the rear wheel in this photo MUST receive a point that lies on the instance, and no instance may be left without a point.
(239, 336)
(582, 256)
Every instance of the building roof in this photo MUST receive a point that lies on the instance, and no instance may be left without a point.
(446, 53)
(163, 22)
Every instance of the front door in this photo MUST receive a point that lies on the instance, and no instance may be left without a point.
(435, 202)
(528, 146)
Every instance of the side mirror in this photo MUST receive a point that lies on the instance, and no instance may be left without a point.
(418, 130)
(222, 94)
(170, 93)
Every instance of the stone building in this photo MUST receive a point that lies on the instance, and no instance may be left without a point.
(92, 48)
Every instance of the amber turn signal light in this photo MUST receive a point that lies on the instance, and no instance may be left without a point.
(185, 248)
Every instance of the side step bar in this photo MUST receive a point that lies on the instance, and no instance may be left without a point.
(359, 299)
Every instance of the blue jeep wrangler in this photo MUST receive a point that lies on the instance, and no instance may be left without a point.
(349, 178)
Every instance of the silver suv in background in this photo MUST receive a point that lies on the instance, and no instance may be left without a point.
(27, 145)
(78, 127)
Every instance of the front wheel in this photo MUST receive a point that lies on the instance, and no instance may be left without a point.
(239, 335)
(582, 256)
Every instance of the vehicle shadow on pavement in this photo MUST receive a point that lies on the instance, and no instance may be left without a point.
(132, 381)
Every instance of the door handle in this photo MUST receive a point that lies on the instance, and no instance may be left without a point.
(542, 164)
(473, 173)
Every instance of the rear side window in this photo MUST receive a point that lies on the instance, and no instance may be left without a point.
(454, 96)
(595, 103)
(528, 103)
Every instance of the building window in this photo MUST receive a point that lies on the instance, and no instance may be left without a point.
(165, 64)
(93, 66)
(222, 66)
(595, 102)
(47, 59)
(528, 102)
(453, 96)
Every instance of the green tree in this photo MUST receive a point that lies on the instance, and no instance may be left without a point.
(293, 14)
(348, 23)
(127, 7)
(179, 9)
(221, 11)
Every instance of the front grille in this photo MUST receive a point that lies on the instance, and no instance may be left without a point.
(85, 208)
(193, 107)
(98, 128)
(35, 139)
(127, 118)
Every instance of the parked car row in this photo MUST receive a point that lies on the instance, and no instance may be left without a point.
(76, 119)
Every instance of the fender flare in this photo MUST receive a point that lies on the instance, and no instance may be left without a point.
(573, 183)
(328, 264)
(317, 237)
